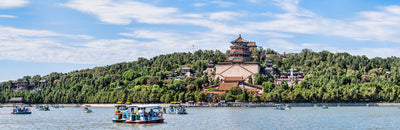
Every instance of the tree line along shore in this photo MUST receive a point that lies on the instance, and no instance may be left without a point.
(110, 105)
(328, 78)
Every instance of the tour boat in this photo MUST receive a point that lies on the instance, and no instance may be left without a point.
(86, 109)
(154, 115)
(55, 106)
(44, 108)
(119, 116)
(281, 107)
(251, 106)
(21, 110)
(324, 106)
(177, 108)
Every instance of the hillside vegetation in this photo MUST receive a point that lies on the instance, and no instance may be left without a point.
(329, 77)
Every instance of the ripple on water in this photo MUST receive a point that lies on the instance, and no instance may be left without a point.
(215, 118)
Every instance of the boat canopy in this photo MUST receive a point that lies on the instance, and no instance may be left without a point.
(175, 102)
(145, 106)
(121, 105)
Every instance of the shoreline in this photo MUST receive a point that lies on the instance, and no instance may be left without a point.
(236, 104)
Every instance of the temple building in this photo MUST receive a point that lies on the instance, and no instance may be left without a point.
(210, 68)
(239, 61)
(291, 77)
(237, 71)
(234, 81)
(241, 50)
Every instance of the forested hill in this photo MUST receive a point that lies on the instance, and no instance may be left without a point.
(329, 77)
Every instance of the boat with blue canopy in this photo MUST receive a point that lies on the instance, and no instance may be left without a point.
(140, 116)
(44, 108)
(177, 108)
(21, 110)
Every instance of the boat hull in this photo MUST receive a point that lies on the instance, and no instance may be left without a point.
(177, 113)
(21, 112)
(86, 111)
(144, 122)
(118, 120)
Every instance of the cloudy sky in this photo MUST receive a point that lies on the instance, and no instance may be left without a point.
(44, 36)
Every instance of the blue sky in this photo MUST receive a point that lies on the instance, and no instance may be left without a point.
(44, 36)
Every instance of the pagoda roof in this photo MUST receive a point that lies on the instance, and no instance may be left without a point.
(251, 44)
(239, 39)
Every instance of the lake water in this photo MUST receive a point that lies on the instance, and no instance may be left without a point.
(213, 118)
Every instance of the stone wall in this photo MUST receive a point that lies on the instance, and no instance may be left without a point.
(244, 70)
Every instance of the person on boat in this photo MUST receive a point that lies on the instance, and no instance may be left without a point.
(118, 113)
(132, 114)
(151, 113)
(179, 109)
(146, 114)
(141, 114)
(137, 114)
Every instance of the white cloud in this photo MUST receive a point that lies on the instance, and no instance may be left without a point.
(216, 22)
(7, 16)
(282, 45)
(10, 33)
(174, 41)
(44, 46)
(225, 15)
(383, 25)
(8, 4)
(122, 12)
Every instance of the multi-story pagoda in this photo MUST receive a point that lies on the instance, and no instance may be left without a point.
(241, 50)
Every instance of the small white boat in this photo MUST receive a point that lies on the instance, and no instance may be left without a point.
(86, 109)
(281, 107)
(324, 106)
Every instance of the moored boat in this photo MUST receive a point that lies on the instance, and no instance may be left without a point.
(324, 106)
(86, 109)
(281, 107)
(177, 108)
(142, 117)
(44, 108)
